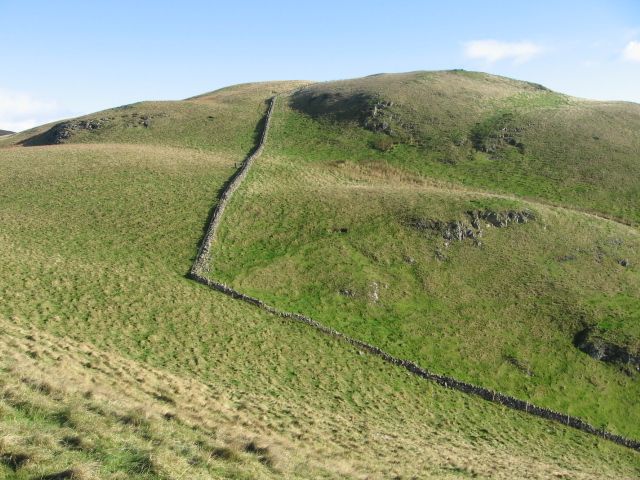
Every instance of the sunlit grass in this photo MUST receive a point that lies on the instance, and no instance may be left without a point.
(103, 335)
(335, 235)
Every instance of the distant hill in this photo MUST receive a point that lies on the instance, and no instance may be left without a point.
(5, 132)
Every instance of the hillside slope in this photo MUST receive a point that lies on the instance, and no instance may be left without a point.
(480, 130)
(226, 120)
(119, 366)
(507, 292)
(5, 132)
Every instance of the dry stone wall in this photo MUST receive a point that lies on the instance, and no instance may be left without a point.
(201, 266)
(201, 263)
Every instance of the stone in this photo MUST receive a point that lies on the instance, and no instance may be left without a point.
(374, 292)
(459, 230)
(590, 342)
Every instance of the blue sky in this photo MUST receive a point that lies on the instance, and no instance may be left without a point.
(70, 57)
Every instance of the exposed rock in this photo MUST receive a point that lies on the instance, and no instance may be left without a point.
(501, 219)
(590, 342)
(346, 292)
(497, 132)
(454, 230)
(65, 130)
(374, 292)
(459, 230)
(409, 260)
(624, 262)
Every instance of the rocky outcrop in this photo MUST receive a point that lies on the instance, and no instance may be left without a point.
(497, 132)
(62, 132)
(65, 130)
(378, 118)
(500, 219)
(367, 110)
(459, 230)
(449, 230)
(591, 342)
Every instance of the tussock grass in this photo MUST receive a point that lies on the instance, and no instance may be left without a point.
(265, 432)
(575, 153)
(99, 324)
(333, 241)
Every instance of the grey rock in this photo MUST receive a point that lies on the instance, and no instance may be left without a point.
(590, 342)
(460, 230)
(374, 292)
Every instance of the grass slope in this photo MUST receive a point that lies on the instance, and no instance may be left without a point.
(334, 240)
(226, 120)
(479, 130)
(104, 336)
(112, 280)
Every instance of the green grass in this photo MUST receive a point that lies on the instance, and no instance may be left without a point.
(576, 153)
(96, 242)
(458, 310)
(226, 120)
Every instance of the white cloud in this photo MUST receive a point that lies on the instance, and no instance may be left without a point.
(632, 51)
(19, 111)
(493, 51)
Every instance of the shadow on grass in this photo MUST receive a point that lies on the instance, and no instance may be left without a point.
(48, 137)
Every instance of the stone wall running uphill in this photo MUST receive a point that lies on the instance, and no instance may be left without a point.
(202, 263)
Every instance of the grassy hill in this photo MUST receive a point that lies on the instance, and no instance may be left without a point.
(120, 367)
(5, 132)
(364, 240)
(479, 130)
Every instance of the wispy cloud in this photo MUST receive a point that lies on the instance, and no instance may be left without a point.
(493, 51)
(19, 111)
(632, 51)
